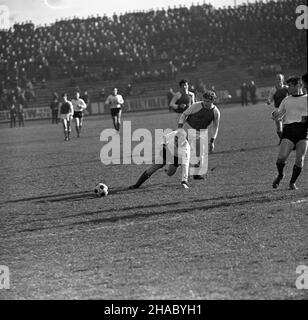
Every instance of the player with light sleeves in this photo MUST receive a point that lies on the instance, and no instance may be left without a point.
(199, 116)
(293, 114)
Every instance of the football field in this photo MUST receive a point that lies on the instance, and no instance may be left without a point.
(230, 236)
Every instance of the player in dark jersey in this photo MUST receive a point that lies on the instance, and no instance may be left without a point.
(182, 99)
(66, 112)
(276, 95)
(199, 116)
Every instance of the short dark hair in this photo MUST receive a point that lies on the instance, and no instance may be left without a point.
(210, 94)
(305, 78)
(183, 81)
(64, 94)
(295, 80)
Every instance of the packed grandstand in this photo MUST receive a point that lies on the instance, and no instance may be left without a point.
(150, 46)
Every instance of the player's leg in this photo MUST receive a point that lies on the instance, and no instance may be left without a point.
(77, 125)
(200, 168)
(185, 158)
(119, 119)
(113, 116)
(146, 175)
(65, 128)
(285, 149)
(69, 128)
(80, 123)
(301, 151)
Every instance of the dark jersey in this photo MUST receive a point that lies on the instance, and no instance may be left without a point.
(279, 95)
(185, 99)
(65, 108)
(201, 119)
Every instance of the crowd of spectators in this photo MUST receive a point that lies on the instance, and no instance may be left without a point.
(132, 43)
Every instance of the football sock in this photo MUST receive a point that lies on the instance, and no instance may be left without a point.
(296, 172)
(145, 176)
(280, 166)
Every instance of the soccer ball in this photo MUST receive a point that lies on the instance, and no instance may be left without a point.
(101, 190)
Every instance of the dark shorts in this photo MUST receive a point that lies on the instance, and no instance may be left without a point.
(295, 132)
(175, 158)
(78, 114)
(115, 111)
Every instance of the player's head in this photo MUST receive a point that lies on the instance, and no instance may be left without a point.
(209, 97)
(115, 91)
(279, 79)
(77, 94)
(64, 96)
(184, 84)
(294, 84)
(305, 80)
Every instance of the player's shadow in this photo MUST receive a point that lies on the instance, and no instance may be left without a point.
(244, 149)
(141, 214)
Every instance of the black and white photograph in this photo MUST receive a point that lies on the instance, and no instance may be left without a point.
(153, 150)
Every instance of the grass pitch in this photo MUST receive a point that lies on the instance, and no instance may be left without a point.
(229, 237)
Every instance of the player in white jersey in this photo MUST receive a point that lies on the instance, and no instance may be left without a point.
(175, 152)
(293, 113)
(65, 113)
(115, 102)
(199, 116)
(79, 106)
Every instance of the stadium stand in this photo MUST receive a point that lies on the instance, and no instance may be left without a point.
(150, 50)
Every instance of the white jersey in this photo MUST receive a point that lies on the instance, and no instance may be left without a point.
(293, 109)
(114, 101)
(79, 105)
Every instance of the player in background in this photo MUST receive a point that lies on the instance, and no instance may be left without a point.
(276, 95)
(20, 115)
(200, 116)
(79, 106)
(115, 102)
(175, 153)
(293, 113)
(182, 99)
(13, 113)
(54, 106)
(66, 111)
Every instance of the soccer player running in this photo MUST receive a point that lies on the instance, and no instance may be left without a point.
(66, 112)
(79, 106)
(182, 99)
(293, 113)
(175, 152)
(115, 102)
(199, 116)
(276, 95)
